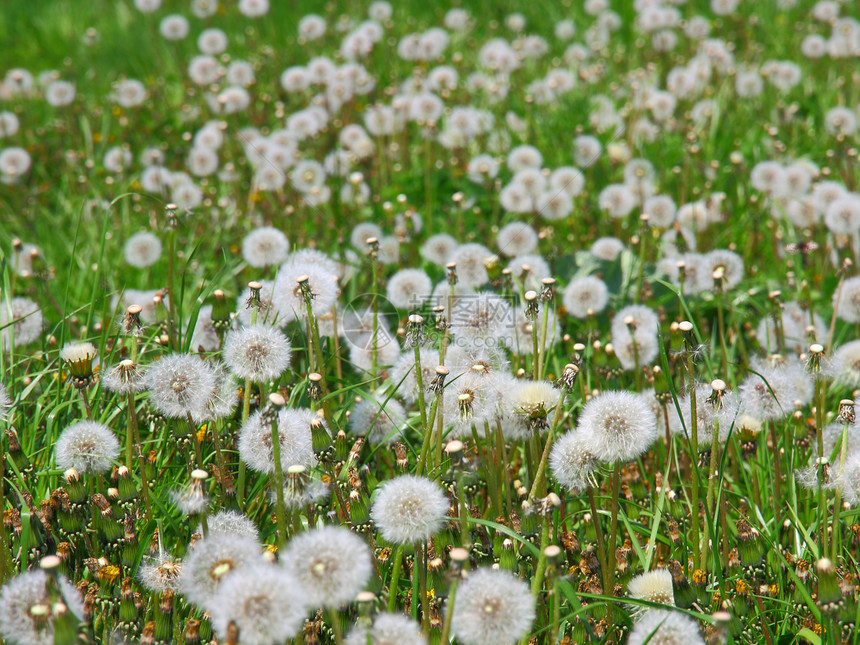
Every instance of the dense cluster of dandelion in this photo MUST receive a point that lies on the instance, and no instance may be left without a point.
(472, 328)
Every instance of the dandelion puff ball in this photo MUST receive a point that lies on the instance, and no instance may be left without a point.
(332, 564)
(493, 607)
(265, 246)
(5, 402)
(294, 432)
(26, 321)
(259, 353)
(179, 385)
(470, 258)
(848, 302)
(209, 561)
(409, 289)
(379, 420)
(86, 446)
(439, 248)
(664, 627)
(585, 294)
(619, 426)
(387, 629)
(653, 586)
(517, 238)
(142, 250)
(572, 463)
(232, 523)
(264, 601)
(409, 509)
(19, 595)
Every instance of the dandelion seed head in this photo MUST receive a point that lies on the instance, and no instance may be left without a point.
(142, 250)
(653, 586)
(664, 627)
(265, 246)
(331, 564)
(208, 563)
(572, 464)
(409, 509)
(584, 295)
(86, 446)
(294, 432)
(493, 606)
(379, 419)
(387, 629)
(618, 426)
(259, 353)
(179, 385)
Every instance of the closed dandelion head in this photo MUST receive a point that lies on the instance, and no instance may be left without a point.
(142, 250)
(294, 431)
(259, 353)
(619, 426)
(534, 400)
(266, 604)
(387, 629)
(209, 561)
(493, 606)
(664, 627)
(26, 613)
(86, 446)
(78, 358)
(265, 246)
(331, 564)
(379, 420)
(126, 377)
(160, 573)
(572, 464)
(653, 586)
(231, 523)
(409, 509)
(267, 314)
(179, 385)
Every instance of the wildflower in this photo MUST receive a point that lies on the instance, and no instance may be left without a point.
(439, 248)
(26, 611)
(663, 627)
(378, 420)
(294, 432)
(21, 320)
(160, 573)
(730, 263)
(534, 400)
(607, 248)
(231, 523)
(653, 586)
(409, 509)
(618, 426)
(209, 561)
(265, 246)
(263, 601)
(257, 353)
(572, 463)
(142, 250)
(331, 564)
(492, 607)
(86, 446)
(179, 385)
(585, 296)
(409, 289)
(78, 358)
(485, 317)
(288, 296)
(387, 629)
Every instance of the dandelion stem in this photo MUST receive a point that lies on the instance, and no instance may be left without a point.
(538, 489)
(279, 480)
(395, 578)
(421, 562)
(449, 612)
(419, 379)
(334, 616)
(598, 531)
(613, 528)
(428, 434)
(837, 502)
(694, 458)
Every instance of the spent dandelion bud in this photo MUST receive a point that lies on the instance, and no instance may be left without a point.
(438, 382)
(847, 414)
(131, 324)
(532, 305)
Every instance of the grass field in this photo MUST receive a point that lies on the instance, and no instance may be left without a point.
(415, 323)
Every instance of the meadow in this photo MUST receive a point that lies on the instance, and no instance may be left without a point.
(371, 323)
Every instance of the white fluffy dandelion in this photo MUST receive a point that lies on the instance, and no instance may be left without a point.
(179, 385)
(585, 295)
(23, 598)
(516, 238)
(265, 246)
(409, 289)
(379, 420)
(21, 320)
(331, 564)
(259, 353)
(618, 426)
(142, 249)
(232, 523)
(409, 509)
(264, 601)
(653, 586)
(209, 561)
(86, 446)
(470, 258)
(288, 298)
(663, 627)
(294, 432)
(572, 463)
(387, 629)
(493, 607)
